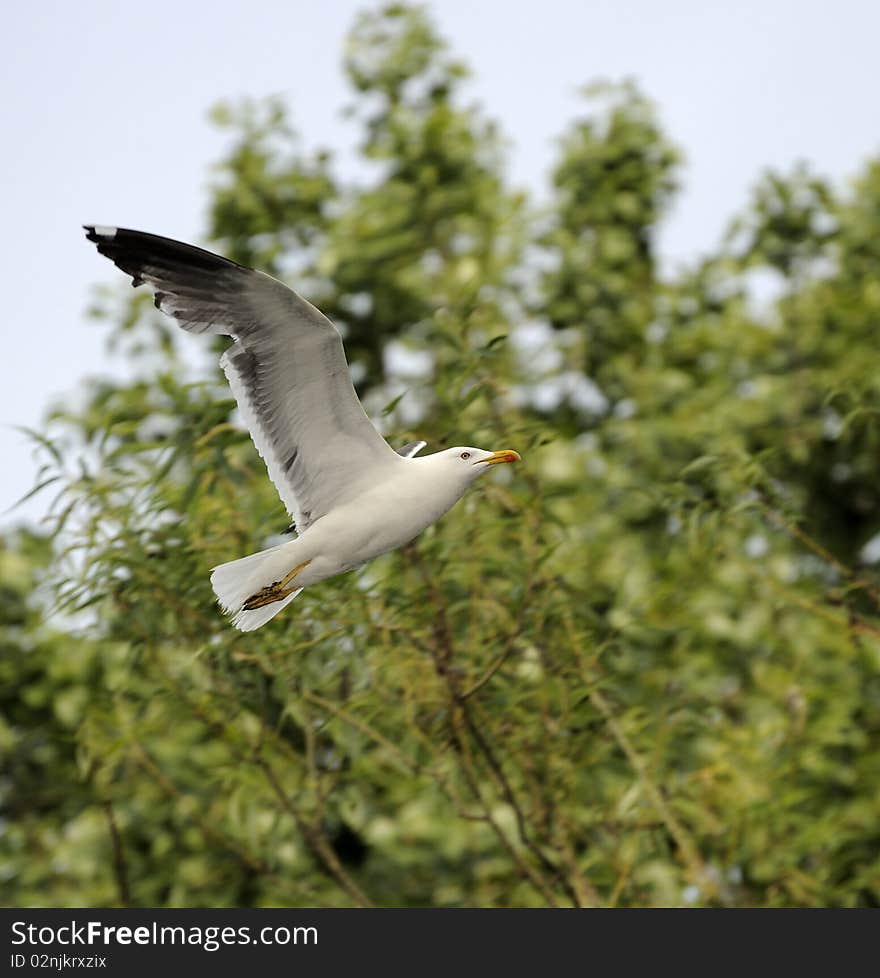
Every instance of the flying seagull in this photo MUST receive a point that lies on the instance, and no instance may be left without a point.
(350, 495)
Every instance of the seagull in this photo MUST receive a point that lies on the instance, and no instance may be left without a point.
(350, 495)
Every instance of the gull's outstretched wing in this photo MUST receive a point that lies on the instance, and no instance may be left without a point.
(286, 367)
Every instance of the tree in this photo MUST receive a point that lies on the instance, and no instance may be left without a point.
(640, 671)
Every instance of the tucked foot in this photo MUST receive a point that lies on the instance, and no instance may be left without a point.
(275, 591)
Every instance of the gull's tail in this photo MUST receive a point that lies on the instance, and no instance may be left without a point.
(238, 580)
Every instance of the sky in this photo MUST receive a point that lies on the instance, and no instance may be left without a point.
(104, 106)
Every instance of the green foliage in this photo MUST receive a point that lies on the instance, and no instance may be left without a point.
(616, 175)
(640, 670)
(269, 199)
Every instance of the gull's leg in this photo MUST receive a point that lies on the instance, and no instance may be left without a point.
(275, 591)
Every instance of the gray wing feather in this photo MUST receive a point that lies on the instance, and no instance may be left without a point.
(286, 367)
(411, 449)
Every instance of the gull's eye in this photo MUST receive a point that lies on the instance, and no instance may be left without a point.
(465, 454)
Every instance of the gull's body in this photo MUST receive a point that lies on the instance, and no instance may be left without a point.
(350, 495)
(383, 518)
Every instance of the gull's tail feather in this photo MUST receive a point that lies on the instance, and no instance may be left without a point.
(249, 621)
(237, 580)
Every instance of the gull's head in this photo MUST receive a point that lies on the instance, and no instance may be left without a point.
(470, 463)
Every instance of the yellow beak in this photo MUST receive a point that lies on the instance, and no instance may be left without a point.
(505, 455)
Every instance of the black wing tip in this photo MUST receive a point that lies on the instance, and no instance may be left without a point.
(123, 245)
(104, 236)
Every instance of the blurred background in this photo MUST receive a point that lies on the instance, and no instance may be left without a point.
(640, 245)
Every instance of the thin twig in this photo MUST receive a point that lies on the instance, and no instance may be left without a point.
(813, 545)
(474, 784)
(443, 654)
(851, 621)
(361, 725)
(143, 758)
(120, 865)
(697, 868)
(315, 839)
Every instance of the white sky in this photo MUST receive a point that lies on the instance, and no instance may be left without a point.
(103, 110)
